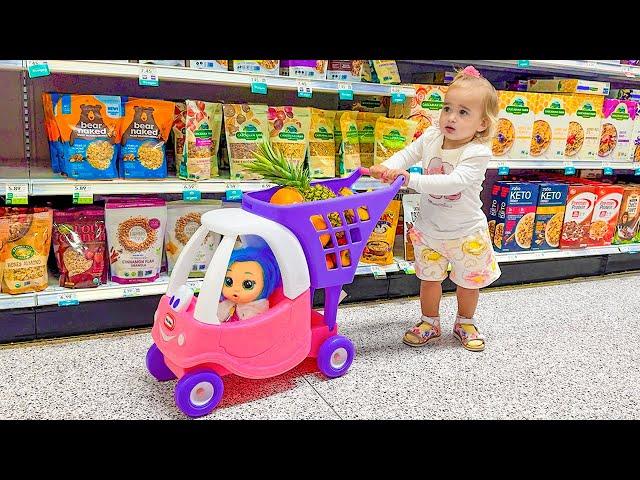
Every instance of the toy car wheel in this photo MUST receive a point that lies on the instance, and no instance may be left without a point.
(198, 393)
(335, 356)
(156, 365)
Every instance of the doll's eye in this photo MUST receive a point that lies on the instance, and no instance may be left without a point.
(248, 284)
(228, 281)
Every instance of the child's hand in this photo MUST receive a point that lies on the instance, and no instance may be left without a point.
(392, 173)
(377, 171)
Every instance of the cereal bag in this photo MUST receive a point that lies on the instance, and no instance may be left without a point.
(391, 136)
(321, 144)
(350, 150)
(426, 106)
(79, 246)
(386, 71)
(366, 133)
(202, 138)
(628, 228)
(379, 248)
(145, 131)
(25, 239)
(245, 127)
(89, 128)
(289, 131)
(183, 219)
(178, 129)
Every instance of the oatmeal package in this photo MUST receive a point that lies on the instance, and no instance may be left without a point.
(322, 155)
(289, 131)
(512, 139)
(391, 136)
(577, 216)
(618, 117)
(516, 216)
(585, 117)
(350, 147)
(426, 106)
(379, 248)
(246, 126)
(552, 200)
(89, 127)
(628, 227)
(135, 234)
(550, 127)
(203, 123)
(25, 239)
(79, 246)
(366, 123)
(145, 132)
(183, 219)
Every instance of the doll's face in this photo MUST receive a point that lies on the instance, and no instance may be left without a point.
(244, 282)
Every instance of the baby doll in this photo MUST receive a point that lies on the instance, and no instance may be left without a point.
(252, 276)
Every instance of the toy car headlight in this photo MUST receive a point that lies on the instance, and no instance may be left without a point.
(181, 300)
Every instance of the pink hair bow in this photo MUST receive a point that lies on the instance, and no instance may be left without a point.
(471, 70)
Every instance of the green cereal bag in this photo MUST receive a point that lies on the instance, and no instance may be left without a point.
(321, 144)
(203, 123)
(350, 143)
(246, 126)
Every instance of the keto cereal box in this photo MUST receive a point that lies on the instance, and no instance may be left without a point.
(605, 214)
(585, 117)
(426, 106)
(552, 199)
(628, 227)
(520, 200)
(581, 199)
(550, 126)
(618, 118)
(493, 209)
(515, 125)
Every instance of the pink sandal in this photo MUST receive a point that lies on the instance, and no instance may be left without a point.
(472, 341)
(422, 333)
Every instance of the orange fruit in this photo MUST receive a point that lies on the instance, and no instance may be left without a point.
(286, 196)
(363, 213)
(345, 258)
(320, 224)
(330, 264)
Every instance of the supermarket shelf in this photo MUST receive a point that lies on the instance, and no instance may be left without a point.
(560, 164)
(184, 74)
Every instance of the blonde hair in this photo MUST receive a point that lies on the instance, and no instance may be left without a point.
(489, 102)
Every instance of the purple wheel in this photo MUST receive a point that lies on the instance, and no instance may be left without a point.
(335, 356)
(198, 393)
(156, 365)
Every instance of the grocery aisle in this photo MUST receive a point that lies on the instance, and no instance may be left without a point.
(564, 351)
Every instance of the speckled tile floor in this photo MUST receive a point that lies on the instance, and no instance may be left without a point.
(567, 351)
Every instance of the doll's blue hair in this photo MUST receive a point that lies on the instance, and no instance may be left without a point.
(264, 256)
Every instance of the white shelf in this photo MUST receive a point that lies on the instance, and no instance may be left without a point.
(560, 164)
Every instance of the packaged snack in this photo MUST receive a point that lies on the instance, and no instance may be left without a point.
(628, 227)
(261, 67)
(379, 248)
(625, 94)
(245, 126)
(79, 246)
(550, 127)
(289, 131)
(391, 136)
(199, 160)
(53, 134)
(386, 71)
(426, 106)
(519, 201)
(25, 239)
(311, 69)
(411, 208)
(135, 234)
(89, 128)
(618, 117)
(373, 104)
(604, 218)
(567, 85)
(577, 216)
(337, 138)
(215, 65)
(512, 139)
(350, 150)
(552, 200)
(178, 130)
(321, 144)
(169, 63)
(585, 116)
(345, 70)
(183, 219)
(366, 130)
(494, 206)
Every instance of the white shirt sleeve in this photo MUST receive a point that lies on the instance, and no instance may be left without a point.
(411, 154)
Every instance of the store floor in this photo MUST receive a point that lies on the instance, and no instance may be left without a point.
(567, 351)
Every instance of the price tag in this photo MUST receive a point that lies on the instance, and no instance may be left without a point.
(523, 63)
(397, 96)
(37, 68)
(569, 169)
(259, 85)
(265, 186)
(406, 267)
(633, 249)
(191, 192)
(195, 285)
(233, 195)
(148, 77)
(503, 170)
(345, 91)
(82, 195)
(304, 89)
(131, 292)
(607, 170)
(628, 71)
(67, 299)
(637, 171)
(378, 272)
(17, 194)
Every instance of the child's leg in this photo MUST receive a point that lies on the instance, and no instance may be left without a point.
(430, 296)
(467, 301)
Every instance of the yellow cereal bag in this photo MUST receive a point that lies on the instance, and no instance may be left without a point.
(350, 143)
(289, 131)
(379, 248)
(322, 155)
(366, 133)
(391, 136)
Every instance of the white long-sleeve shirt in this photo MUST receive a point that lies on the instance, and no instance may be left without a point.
(450, 205)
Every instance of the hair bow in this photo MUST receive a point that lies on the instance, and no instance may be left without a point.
(471, 71)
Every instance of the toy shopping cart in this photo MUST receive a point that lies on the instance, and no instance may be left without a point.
(192, 344)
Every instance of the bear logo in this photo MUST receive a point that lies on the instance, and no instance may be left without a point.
(438, 167)
(91, 125)
(143, 125)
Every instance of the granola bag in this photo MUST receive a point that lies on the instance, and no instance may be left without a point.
(178, 129)
(145, 131)
(411, 207)
(25, 239)
(322, 155)
(199, 160)
(79, 246)
(379, 248)
(386, 71)
(135, 234)
(183, 219)
(337, 142)
(245, 127)
(350, 158)
(391, 136)
(289, 131)
(366, 129)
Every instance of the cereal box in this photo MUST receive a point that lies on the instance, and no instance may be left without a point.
(426, 106)
(618, 118)
(259, 67)
(493, 209)
(625, 94)
(520, 200)
(605, 214)
(567, 85)
(585, 116)
(310, 69)
(515, 125)
(379, 248)
(411, 208)
(550, 126)
(552, 200)
(581, 199)
(628, 228)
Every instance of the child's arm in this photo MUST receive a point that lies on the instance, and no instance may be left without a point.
(469, 171)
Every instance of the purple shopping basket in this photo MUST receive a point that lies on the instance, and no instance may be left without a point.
(297, 218)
